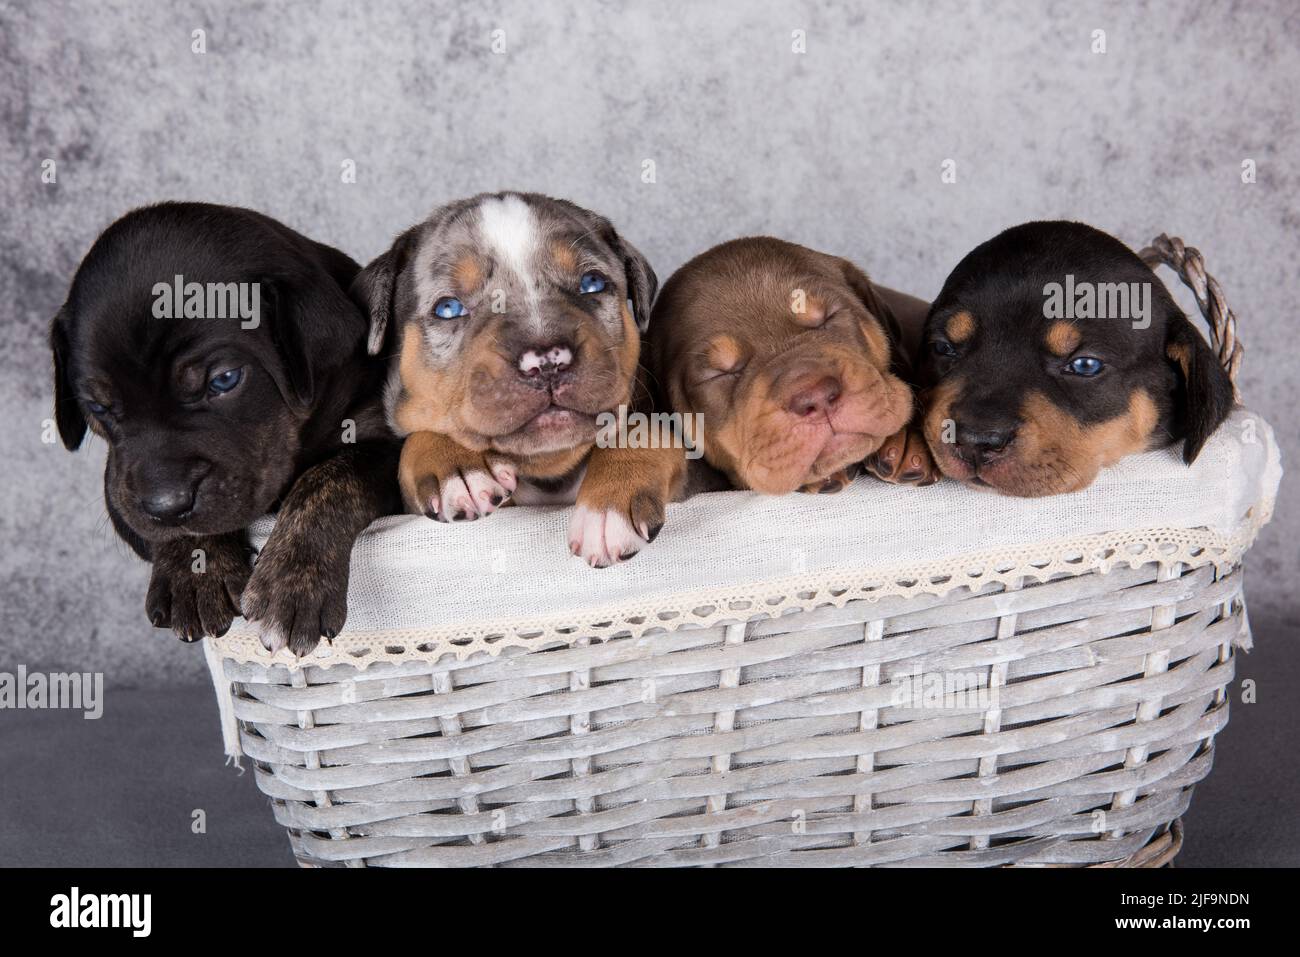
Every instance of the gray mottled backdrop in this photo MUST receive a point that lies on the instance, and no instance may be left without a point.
(840, 148)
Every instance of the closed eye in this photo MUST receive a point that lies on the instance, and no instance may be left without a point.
(717, 375)
(826, 316)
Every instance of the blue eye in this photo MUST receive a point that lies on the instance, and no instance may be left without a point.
(944, 349)
(1086, 366)
(223, 382)
(449, 308)
(591, 282)
(95, 408)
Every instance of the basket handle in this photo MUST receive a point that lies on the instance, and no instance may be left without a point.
(1189, 264)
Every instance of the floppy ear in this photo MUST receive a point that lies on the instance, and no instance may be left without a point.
(865, 290)
(289, 342)
(1205, 394)
(67, 410)
(642, 283)
(374, 287)
(315, 326)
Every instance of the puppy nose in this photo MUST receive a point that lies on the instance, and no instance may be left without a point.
(545, 361)
(815, 399)
(980, 445)
(168, 503)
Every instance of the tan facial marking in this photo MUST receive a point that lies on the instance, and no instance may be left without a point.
(806, 309)
(426, 395)
(1061, 454)
(726, 445)
(1106, 442)
(1063, 338)
(630, 353)
(723, 353)
(563, 256)
(938, 411)
(877, 342)
(960, 327)
(467, 274)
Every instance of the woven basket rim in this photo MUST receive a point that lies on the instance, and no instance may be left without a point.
(1091, 554)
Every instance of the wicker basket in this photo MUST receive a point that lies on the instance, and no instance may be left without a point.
(1055, 715)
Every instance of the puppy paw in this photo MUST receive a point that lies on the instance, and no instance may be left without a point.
(612, 532)
(297, 594)
(195, 585)
(835, 482)
(467, 493)
(452, 484)
(622, 502)
(904, 459)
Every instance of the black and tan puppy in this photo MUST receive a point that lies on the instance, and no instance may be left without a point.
(1052, 352)
(515, 338)
(789, 362)
(218, 354)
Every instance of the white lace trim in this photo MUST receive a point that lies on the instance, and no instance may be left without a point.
(1192, 547)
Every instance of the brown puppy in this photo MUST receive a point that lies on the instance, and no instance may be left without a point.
(788, 361)
(516, 341)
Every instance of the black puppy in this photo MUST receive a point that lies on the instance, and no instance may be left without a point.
(1052, 352)
(217, 352)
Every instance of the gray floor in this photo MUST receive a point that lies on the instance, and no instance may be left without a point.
(122, 790)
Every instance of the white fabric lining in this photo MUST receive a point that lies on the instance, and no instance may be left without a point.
(510, 575)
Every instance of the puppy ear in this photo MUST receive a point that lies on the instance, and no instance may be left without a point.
(289, 342)
(1205, 394)
(866, 292)
(374, 287)
(67, 410)
(315, 326)
(642, 283)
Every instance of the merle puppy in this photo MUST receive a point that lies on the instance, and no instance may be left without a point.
(218, 354)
